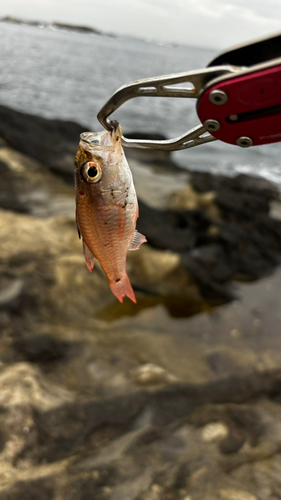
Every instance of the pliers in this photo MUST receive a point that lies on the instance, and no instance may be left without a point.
(238, 98)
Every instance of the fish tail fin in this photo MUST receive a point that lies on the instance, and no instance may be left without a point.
(123, 287)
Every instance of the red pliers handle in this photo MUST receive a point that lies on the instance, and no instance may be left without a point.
(238, 98)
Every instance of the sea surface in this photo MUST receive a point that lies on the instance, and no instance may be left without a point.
(67, 75)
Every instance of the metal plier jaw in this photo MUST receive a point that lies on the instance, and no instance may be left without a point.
(238, 98)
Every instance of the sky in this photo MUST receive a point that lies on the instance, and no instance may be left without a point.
(216, 24)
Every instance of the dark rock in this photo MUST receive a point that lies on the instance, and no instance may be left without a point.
(156, 158)
(53, 142)
(210, 276)
(11, 293)
(244, 205)
(10, 193)
(221, 363)
(257, 186)
(233, 442)
(79, 29)
(41, 349)
(31, 490)
(63, 431)
(171, 229)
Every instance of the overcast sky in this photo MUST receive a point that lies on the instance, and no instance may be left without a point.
(209, 23)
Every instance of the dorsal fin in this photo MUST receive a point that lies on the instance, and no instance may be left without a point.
(137, 240)
(89, 257)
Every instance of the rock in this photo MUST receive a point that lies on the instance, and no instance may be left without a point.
(74, 27)
(52, 142)
(257, 186)
(158, 272)
(10, 196)
(23, 384)
(155, 183)
(27, 187)
(275, 210)
(168, 399)
(33, 490)
(11, 293)
(151, 374)
(41, 349)
(233, 442)
(229, 494)
(246, 204)
(171, 230)
(214, 431)
(188, 199)
(112, 453)
(154, 157)
(221, 362)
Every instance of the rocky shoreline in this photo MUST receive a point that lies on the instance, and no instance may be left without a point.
(105, 401)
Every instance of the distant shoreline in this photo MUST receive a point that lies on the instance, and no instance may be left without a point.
(55, 25)
(73, 28)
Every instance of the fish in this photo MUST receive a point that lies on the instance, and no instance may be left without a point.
(106, 207)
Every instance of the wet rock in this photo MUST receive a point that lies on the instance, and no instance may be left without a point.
(10, 196)
(141, 407)
(64, 430)
(232, 442)
(11, 292)
(221, 362)
(28, 187)
(233, 494)
(189, 199)
(204, 182)
(172, 230)
(23, 384)
(113, 452)
(214, 431)
(52, 142)
(33, 490)
(156, 158)
(159, 273)
(41, 349)
(151, 374)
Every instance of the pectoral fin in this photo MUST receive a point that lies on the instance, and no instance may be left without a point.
(137, 240)
(89, 257)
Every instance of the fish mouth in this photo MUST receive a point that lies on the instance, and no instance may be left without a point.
(102, 139)
(92, 138)
(114, 125)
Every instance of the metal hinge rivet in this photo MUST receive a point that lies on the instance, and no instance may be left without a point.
(244, 142)
(218, 97)
(212, 125)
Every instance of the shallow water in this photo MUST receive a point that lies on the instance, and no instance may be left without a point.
(241, 335)
(70, 76)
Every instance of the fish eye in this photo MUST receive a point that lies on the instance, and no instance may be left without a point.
(91, 172)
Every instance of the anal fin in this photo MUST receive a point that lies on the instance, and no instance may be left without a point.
(137, 240)
(89, 257)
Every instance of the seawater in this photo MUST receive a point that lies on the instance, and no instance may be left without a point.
(66, 75)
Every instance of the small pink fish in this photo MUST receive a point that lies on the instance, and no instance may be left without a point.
(106, 207)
